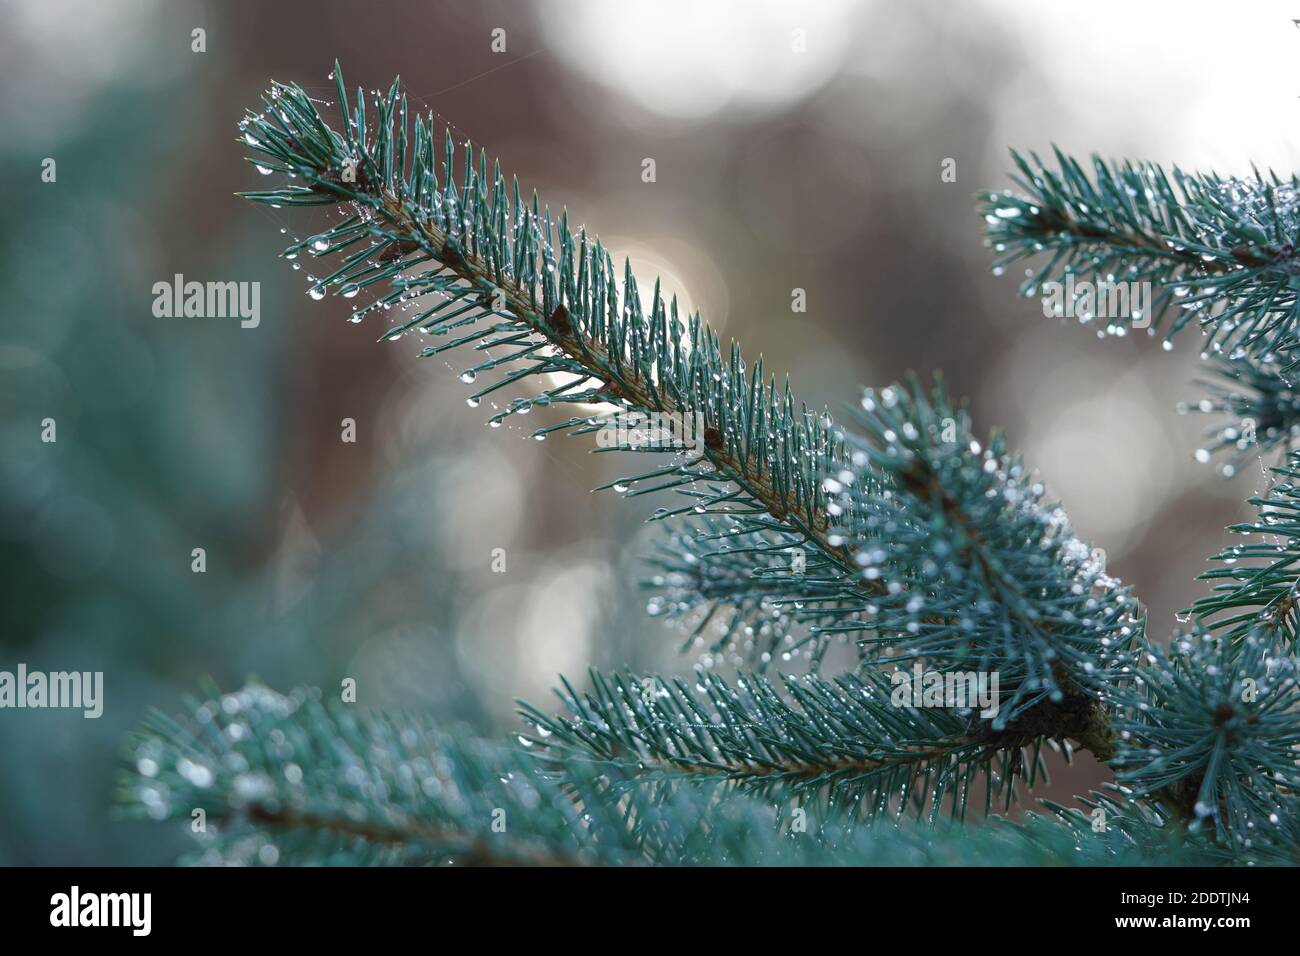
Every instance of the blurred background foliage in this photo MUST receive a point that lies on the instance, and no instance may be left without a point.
(775, 170)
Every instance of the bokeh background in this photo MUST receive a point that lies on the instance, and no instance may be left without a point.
(775, 170)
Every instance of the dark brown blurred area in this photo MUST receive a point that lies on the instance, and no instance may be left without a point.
(776, 169)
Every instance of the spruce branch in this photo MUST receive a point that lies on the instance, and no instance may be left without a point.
(850, 744)
(979, 570)
(1261, 407)
(289, 778)
(1218, 251)
(467, 259)
(1258, 582)
(1210, 730)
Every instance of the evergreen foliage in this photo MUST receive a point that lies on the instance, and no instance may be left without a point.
(1260, 578)
(898, 530)
(1221, 252)
(980, 571)
(1211, 730)
(290, 779)
(1262, 409)
(841, 744)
